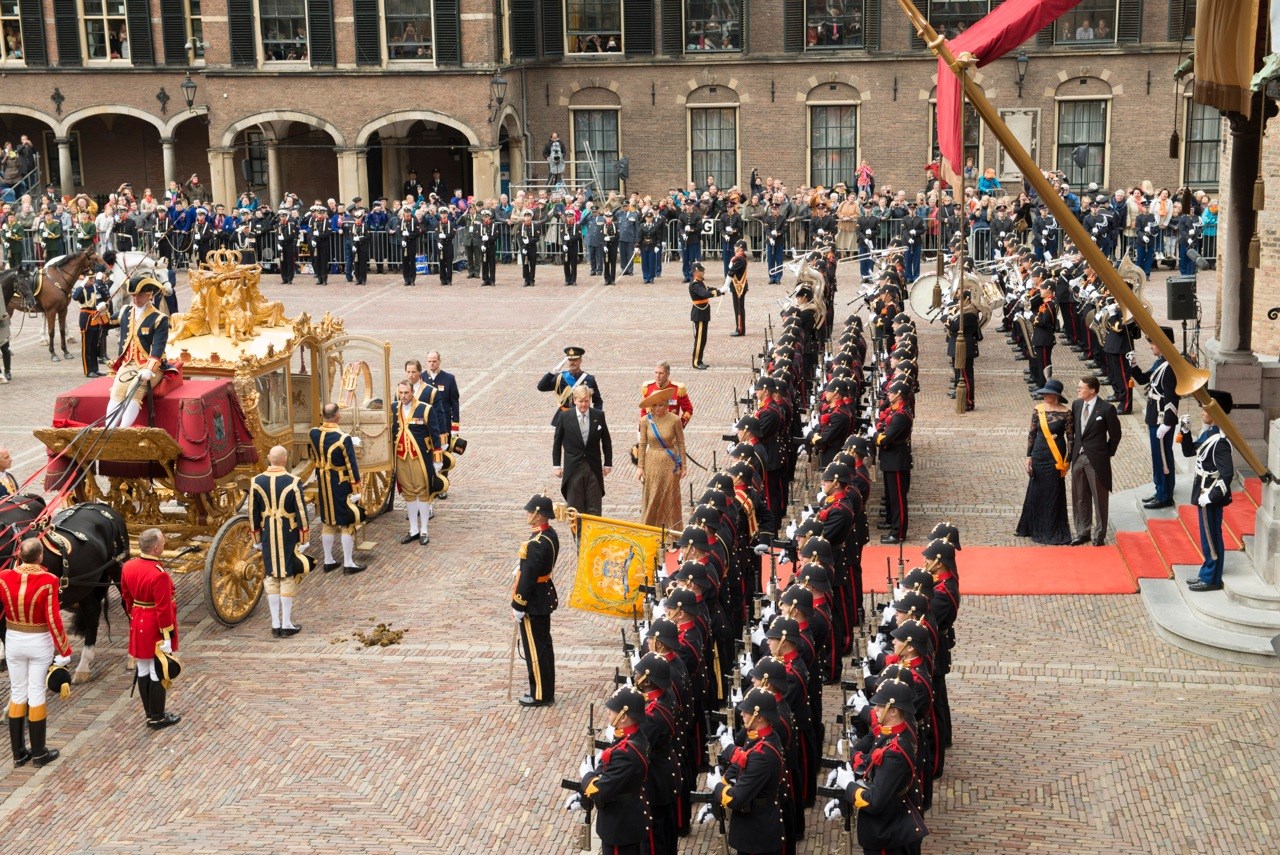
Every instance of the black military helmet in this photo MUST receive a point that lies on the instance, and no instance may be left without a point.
(751, 424)
(859, 445)
(913, 633)
(714, 499)
(666, 632)
(818, 547)
(697, 573)
(816, 577)
(698, 268)
(540, 504)
(784, 629)
(911, 606)
(810, 528)
(947, 532)
(653, 669)
(742, 470)
(837, 472)
(800, 598)
(722, 482)
(705, 515)
(940, 550)
(918, 580)
(741, 450)
(770, 671)
(759, 702)
(58, 681)
(627, 702)
(695, 537)
(681, 598)
(895, 694)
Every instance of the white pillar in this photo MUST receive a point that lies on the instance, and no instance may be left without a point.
(393, 174)
(275, 189)
(485, 164)
(222, 175)
(350, 181)
(64, 166)
(170, 162)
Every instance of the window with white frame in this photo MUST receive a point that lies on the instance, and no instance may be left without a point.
(1204, 139)
(1082, 124)
(833, 24)
(712, 25)
(595, 137)
(1090, 23)
(952, 17)
(833, 145)
(106, 29)
(10, 32)
(593, 26)
(972, 129)
(195, 28)
(713, 145)
(409, 30)
(284, 30)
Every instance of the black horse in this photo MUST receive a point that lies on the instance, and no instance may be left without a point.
(85, 546)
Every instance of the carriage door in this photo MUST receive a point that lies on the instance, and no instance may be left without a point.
(355, 373)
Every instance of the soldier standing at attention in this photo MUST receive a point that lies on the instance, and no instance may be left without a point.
(609, 235)
(278, 517)
(700, 314)
(534, 598)
(147, 590)
(736, 271)
(333, 451)
(528, 248)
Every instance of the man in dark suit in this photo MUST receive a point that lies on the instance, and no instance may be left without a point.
(1097, 428)
(581, 436)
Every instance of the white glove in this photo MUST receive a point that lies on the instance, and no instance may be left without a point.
(166, 646)
(844, 776)
(574, 802)
(635, 659)
(832, 809)
(1162, 431)
(1027, 315)
(713, 778)
(886, 617)
(831, 777)
(760, 548)
(899, 592)
(767, 614)
(745, 664)
(659, 611)
(858, 702)
(101, 307)
(357, 442)
(1204, 498)
(61, 660)
(607, 733)
(866, 672)
(585, 767)
(1131, 358)
(146, 375)
(726, 738)
(821, 496)
(517, 615)
(791, 531)
(874, 649)
(705, 815)
(355, 497)
(735, 695)
(757, 636)
(913, 231)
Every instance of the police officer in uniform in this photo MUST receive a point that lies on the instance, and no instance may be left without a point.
(1211, 489)
(609, 238)
(700, 313)
(736, 272)
(528, 238)
(333, 451)
(278, 517)
(533, 599)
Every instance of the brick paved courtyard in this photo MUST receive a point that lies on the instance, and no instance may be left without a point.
(1076, 729)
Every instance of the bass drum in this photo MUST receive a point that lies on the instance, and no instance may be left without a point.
(920, 295)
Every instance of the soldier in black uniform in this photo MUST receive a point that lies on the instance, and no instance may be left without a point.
(358, 233)
(1044, 327)
(894, 442)
(288, 237)
(912, 232)
(93, 293)
(444, 235)
(609, 235)
(690, 221)
(661, 727)
(572, 247)
(321, 246)
(968, 321)
(749, 791)
(528, 245)
(730, 235)
(407, 232)
(616, 786)
(651, 234)
(700, 314)
(203, 237)
(534, 598)
(1117, 344)
(736, 271)
(775, 240)
(487, 235)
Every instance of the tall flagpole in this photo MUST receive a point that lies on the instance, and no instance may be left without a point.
(1192, 381)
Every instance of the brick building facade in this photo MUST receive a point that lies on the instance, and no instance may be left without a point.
(341, 97)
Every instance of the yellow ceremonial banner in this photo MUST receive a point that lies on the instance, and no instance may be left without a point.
(615, 557)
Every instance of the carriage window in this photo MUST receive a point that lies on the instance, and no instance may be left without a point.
(273, 401)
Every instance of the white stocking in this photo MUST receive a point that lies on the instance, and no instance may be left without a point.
(424, 514)
(411, 507)
(286, 612)
(273, 600)
(126, 411)
(348, 550)
(327, 540)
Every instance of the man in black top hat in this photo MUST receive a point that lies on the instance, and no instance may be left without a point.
(534, 598)
(1211, 488)
(700, 313)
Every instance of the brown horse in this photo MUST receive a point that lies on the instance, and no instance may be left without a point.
(54, 283)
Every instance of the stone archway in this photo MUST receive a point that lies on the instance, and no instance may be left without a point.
(43, 131)
(424, 141)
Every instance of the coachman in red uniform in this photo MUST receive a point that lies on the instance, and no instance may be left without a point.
(147, 589)
(29, 594)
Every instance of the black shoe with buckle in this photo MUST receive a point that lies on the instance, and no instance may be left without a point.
(329, 567)
(352, 569)
(408, 538)
(286, 631)
(424, 540)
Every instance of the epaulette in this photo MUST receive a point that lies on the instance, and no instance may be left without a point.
(680, 390)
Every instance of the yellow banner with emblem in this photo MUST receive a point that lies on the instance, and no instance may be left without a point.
(615, 557)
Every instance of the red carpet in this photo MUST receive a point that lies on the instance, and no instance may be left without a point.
(1190, 517)
(1141, 556)
(1018, 570)
(1253, 486)
(1240, 517)
(1174, 543)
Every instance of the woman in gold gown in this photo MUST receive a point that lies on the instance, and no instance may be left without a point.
(661, 463)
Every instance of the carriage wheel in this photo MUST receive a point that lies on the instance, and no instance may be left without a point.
(375, 489)
(233, 572)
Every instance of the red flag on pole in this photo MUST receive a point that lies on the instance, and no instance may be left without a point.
(1011, 24)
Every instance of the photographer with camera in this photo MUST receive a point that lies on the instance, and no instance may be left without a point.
(555, 153)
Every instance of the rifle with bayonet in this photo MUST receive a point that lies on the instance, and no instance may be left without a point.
(584, 833)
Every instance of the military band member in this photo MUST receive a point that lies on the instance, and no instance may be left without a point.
(1210, 490)
(406, 229)
(736, 273)
(12, 235)
(572, 247)
(700, 313)
(288, 238)
(278, 517)
(444, 235)
(147, 590)
(318, 235)
(609, 235)
(528, 246)
(144, 332)
(562, 382)
(93, 293)
(51, 237)
(33, 639)
(418, 436)
(358, 232)
(533, 599)
(1117, 343)
(86, 232)
(679, 403)
(617, 785)
(966, 320)
(333, 451)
